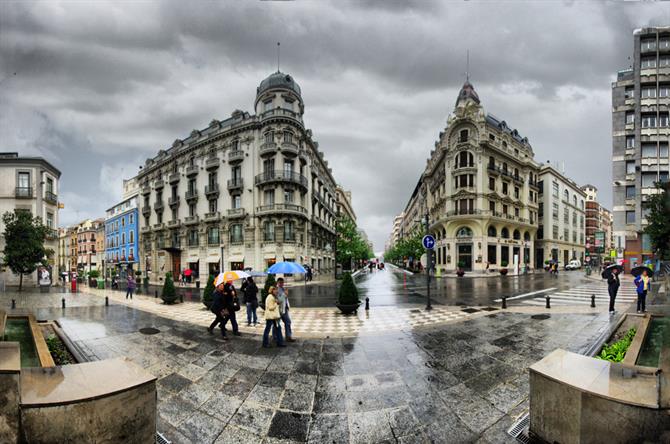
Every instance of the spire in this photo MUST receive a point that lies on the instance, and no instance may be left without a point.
(467, 67)
(278, 57)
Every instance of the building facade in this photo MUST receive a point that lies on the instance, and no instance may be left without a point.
(30, 184)
(87, 257)
(561, 233)
(64, 235)
(598, 220)
(343, 200)
(640, 136)
(242, 193)
(480, 188)
(122, 237)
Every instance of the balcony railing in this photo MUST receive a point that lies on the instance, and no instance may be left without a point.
(191, 195)
(236, 212)
(212, 189)
(159, 226)
(158, 184)
(52, 234)
(281, 208)
(235, 183)
(173, 201)
(24, 193)
(235, 155)
(190, 220)
(192, 170)
(281, 176)
(51, 197)
(289, 147)
(212, 163)
(268, 148)
(174, 178)
(146, 210)
(212, 217)
(173, 223)
(158, 205)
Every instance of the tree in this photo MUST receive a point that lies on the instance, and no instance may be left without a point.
(24, 243)
(350, 245)
(405, 248)
(169, 294)
(659, 221)
(348, 293)
(207, 295)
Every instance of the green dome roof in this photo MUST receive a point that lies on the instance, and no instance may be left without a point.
(278, 80)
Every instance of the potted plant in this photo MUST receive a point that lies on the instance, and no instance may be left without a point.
(169, 294)
(93, 278)
(546, 265)
(347, 298)
(503, 269)
(460, 272)
(207, 295)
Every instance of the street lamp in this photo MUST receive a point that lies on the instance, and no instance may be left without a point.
(429, 262)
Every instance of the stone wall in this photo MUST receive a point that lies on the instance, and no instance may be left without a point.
(10, 367)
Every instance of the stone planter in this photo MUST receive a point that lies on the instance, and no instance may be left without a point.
(460, 273)
(503, 271)
(348, 308)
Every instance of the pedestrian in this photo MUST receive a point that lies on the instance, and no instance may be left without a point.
(231, 304)
(613, 287)
(487, 266)
(272, 319)
(284, 307)
(250, 293)
(218, 307)
(130, 285)
(309, 274)
(642, 284)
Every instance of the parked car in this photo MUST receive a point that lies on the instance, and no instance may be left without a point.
(574, 264)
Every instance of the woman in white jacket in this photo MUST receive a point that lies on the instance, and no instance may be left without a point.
(272, 319)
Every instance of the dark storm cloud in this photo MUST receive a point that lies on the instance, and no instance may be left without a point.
(101, 86)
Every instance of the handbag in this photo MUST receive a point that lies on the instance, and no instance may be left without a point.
(236, 304)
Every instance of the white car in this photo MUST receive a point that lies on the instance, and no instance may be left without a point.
(574, 264)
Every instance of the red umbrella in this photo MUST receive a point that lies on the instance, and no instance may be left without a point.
(187, 272)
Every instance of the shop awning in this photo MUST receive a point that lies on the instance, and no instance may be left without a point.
(236, 258)
(195, 258)
(268, 256)
(213, 259)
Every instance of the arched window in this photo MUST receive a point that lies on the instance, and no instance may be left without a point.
(492, 231)
(463, 136)
(566, 196)
(574, 200)
(526, 236)
(517, 234)
(465, 159)
(464, 232)
(504, 233)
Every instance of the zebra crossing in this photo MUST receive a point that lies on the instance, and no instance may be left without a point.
(581, 295)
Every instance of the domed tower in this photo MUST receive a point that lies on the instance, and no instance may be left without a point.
(279, 90)
(467, 93)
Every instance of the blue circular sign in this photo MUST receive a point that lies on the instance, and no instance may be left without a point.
(428, 242)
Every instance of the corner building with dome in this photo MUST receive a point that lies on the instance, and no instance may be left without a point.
(480, 187)
(243, 192)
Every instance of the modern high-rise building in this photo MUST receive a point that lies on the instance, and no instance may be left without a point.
(242, 193)
(640, 136)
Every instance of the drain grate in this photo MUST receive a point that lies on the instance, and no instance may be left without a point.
(149, 331)
(470, 310)
(160, 439)
(540, 317)
(519, 430)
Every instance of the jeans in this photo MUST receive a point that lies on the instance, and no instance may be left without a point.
(251, 313)
(233, 321)
(286, 319)
(129, 292)
(641, 300)
(220, 321)
(276, 333)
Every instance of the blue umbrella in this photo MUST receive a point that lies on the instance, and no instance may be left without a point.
(286, 267)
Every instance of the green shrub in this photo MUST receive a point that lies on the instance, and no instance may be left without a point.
(461, 264)
(169, 294)
(269, 282)
(503, 263)
(94, 274)
(348, 293)
(209, 291)
(58, 351)
(617, 351)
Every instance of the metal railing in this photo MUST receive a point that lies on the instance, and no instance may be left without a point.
(50, 197)
(281, 176)
(24, 193)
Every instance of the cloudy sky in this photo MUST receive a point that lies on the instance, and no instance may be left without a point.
(97, 87)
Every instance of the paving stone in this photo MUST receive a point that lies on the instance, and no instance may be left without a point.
(253, 418)
(201, 427)
(289, 425)
(175, 409)
(297, 401)
(267, 396)
(236, 435)
(221, 406)
(196, 393)
(332, 429)
(173, 382)
(367, 427)
(327, 402)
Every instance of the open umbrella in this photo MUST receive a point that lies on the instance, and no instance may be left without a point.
(607, 272)
(286, 267)
(188, 272)
(636, 271)
(234, 275)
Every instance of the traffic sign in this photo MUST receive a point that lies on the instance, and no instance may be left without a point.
(428, 242)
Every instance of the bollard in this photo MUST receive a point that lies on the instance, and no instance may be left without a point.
(593, 301)
(181, 298)
(367, 303)
(504, 302)
(13, 304)
(63, 302)
(156, 294)
(548, 303)
(106, 301)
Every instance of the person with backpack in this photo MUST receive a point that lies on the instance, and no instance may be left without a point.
(218, 307)
(250, 293)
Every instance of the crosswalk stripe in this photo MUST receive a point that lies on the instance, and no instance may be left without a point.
(581, 295)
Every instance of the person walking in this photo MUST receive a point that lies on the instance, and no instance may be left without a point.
(250, 292)
(218, 307)
(613, 287)
(284, 307)
(272, 319)
(231, 304)
(130, 285)
(642, 284)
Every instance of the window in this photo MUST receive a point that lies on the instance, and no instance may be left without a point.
(664, 90)
(131, 219)
(663, 176)
(630, 192)
(574, 200)
(504, 209)
(663, 61)
(237, 201)
(492, 137)
(492, 206)
(288, 137)
(492, 231)
(504, 188)
(235, 146)
(648, 45)
(123, 221)
(516, 192)
(492, 184)
(648, 179)
(629, 92)
(540, 209)
(463, 136)
(554, 232)
(465, 180)
(554, 189)
(268, 231)
(191, 210)
(648, 92)
(211, 179)
(267, 105)
(268, 166)
(50, 220)
(131, 237)
(50, 185)
(191, 186)
(516, 211)
(174, 214)
(289, 231)
(566, 215)
(554, 211)
(566, 196)
(648, 120)
(663, 121)
(24, 183)
(288, 168)
(464, 159)
(630, 142)
(663, 149)
(213, 236)
(269, 137)
(648, 62)
(191, 161)
(213, 206)
(574, 237)
(288, 196)
(159, 217)
(664, 43)
(630, 117)
(630, 217)
(649, 150)
(269, 197)
(192, 238)
(566, 234)
(574, 219)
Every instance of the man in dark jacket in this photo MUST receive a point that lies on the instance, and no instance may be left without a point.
(229, 302)
(218, 306)
(613, 287)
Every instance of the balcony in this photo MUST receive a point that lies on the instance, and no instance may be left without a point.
(492, 169)
(281, 176)
(158, 206)
(191, 220)
(146, 211)
(533, 184)
(192, 170)
(268, 148)
(235, 156)
(191, 195)
(282, 208)
(212, 190)
(173, 223)
(279, 113)
(289, 148)
(51, 198)
(212, 163)
(159, 184)
(212, 217)
(173, 201)
(145, 229)
(174, 178)
(235, 183)
(236, 240)
(24, 193)
(518, 179)
(466, 166)
(159, 226)
(236, 213)
(146, 189)
(52, 234)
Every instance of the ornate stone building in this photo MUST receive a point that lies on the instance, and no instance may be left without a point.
(242, 193)
(480, 188)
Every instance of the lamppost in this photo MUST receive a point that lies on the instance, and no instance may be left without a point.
(429, 262)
